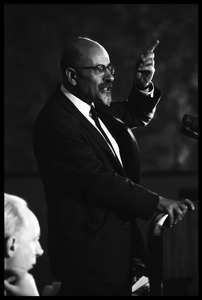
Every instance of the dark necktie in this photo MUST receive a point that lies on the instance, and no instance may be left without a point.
(94, 115)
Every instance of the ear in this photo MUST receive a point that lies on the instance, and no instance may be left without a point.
(71, 75)
(9, 247)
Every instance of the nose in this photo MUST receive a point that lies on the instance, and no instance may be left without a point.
(108, 75)
(39, 250)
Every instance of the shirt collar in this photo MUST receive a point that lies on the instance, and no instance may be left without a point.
(82, 106)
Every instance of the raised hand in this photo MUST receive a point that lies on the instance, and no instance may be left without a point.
(145, 67)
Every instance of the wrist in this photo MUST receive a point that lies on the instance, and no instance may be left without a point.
(146, 88)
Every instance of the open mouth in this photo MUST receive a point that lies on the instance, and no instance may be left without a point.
(106, 89)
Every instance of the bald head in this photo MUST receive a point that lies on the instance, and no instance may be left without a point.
(78, 52)
(86, 70)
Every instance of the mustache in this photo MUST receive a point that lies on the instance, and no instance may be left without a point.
(105, 85)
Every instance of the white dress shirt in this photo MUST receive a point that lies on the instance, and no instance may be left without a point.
(84, 108)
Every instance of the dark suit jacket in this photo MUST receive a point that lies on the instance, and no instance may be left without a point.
(92, 201)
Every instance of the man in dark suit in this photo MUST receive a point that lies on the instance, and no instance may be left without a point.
(89, 164)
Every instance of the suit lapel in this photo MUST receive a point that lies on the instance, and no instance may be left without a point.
(68, 105)
(97, 136)
(128, 146)
(126, 140)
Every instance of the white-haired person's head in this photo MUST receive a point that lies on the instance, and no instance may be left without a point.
(21, 234)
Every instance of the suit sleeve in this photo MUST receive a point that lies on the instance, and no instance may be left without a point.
(65, 151)
(138, 110)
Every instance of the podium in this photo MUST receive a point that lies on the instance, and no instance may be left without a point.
(174, 256)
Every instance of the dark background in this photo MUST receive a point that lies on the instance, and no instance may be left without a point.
(34, 36)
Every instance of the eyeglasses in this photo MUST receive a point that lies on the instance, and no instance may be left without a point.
(101, 69)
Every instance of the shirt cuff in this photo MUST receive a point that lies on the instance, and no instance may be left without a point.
(149, 91)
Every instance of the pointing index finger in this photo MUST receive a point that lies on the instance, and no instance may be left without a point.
(153, 46)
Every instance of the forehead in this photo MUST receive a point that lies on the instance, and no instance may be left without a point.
(95, 54)
(31, 223)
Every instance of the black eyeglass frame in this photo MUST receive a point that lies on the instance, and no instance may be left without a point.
(101, 71)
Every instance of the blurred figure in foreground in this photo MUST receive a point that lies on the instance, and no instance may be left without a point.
(21, 247)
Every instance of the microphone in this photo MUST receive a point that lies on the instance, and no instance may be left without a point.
(190, 126)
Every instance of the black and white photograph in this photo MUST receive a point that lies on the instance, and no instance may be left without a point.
(101, 149)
